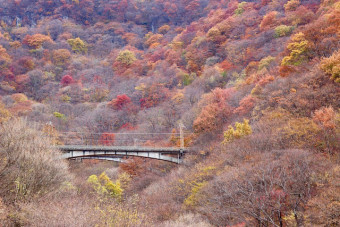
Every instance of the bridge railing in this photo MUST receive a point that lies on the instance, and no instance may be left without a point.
(119, 139)
(85, 137)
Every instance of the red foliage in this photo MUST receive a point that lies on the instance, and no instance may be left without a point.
(107, 139)
(120, 102)
(128, 126)
(285, 70)
(246, 105)
(67, 80)
(226, 65)
(154, 95)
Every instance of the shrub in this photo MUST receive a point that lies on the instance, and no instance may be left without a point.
(66, 80)
(61, 57)
(265, 62)
(283, 30)
(292, 5)
(126, 57)
(36, 41)
(331, 66)
(29, 166)
(104, 186)
(120, 102)
(298, 48)
(242, 129)
(78, 45)
(240, 8)
(164, 29)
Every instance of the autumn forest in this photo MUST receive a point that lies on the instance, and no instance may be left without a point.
(254, 84)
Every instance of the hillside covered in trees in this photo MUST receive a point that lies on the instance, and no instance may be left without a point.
(255, 83)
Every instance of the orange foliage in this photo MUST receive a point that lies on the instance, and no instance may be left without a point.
(226, 65)
(215, 112)
(325, 117)
(269, 20)
(35, 41)
(246, 105)
(133, 166)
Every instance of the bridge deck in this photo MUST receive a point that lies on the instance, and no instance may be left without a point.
(169, 150)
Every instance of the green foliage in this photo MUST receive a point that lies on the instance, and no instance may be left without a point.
(240, 8)
(298, 48)
(78, 45)
(126, 57)
(104, 186)
(242, 129)
(331, 66)
(265, 62)
(59, 115)
(188, 79)
(66, 98)
(283, 30)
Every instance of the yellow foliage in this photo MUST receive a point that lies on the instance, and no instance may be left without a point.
(4, 85)
(191, 186)
(193, 197)
(65, 98)
(242, 129)
(94, 182)
(290, 219)
(291, 5)
(4, 113)
(15, 44)
(164, 29)
(240, 8)
(300, 132)
(141, 87)
(298, 48)
(78, 45)
(152, 38)
(104, 186)
(176, 45)
(178, 97)
(61, 57)
(331, 66)
(126, 57)
(124, 179)
(118, 214)
(19, 97)
(265, 62)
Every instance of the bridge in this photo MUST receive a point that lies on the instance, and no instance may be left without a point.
(115, 153)
(117, 146)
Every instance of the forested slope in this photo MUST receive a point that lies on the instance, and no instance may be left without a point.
(255, 83)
